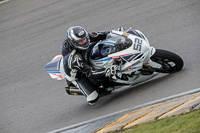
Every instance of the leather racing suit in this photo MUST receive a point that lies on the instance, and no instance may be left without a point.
(78, 70)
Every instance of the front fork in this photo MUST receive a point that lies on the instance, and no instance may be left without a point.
(151, 64)
(147, 68)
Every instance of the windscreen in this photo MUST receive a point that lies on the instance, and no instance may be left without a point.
(109, 46)
(101, 50)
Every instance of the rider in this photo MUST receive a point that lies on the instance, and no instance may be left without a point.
(75, 50)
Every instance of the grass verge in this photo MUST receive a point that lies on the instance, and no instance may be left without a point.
(185, 123)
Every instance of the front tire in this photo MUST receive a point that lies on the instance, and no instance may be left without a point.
(169, 61)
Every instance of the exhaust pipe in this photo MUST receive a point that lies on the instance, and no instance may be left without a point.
(73, 91)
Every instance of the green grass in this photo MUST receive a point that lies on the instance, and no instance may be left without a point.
(186, 123)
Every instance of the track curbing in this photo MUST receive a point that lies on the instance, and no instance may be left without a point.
(120, 114)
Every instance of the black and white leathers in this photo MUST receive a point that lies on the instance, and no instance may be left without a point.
(78, 69)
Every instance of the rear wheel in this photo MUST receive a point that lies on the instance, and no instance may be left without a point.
(169, 61)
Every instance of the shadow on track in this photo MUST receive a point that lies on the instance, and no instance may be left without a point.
(133, 91)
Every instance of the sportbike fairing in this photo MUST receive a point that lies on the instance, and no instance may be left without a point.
(126, 46)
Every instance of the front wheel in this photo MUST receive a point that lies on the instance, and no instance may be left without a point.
(170, 62)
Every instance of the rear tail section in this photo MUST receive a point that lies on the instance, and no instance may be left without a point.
(53, 68)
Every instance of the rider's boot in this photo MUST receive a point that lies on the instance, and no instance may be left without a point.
(86, 87)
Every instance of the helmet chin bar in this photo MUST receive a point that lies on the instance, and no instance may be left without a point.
(82, 48)
(82, 41)
(85, 46)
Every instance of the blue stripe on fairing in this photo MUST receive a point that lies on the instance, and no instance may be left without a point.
(136, 67)
(53, 72)
(107, 59)
(67, 34)
(109, 42)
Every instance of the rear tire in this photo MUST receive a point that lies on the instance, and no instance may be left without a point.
(170, 62)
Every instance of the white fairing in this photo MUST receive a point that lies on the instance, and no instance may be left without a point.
(140, 52)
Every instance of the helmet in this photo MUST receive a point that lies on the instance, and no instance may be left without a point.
(78, 37)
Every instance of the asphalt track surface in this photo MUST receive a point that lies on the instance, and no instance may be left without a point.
(31, 33)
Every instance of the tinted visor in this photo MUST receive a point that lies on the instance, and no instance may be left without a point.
(82, 41)
(82, 44)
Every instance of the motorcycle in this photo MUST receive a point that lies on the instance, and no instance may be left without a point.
(131, 52)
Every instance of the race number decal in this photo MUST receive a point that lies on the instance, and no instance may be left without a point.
(137, 44)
